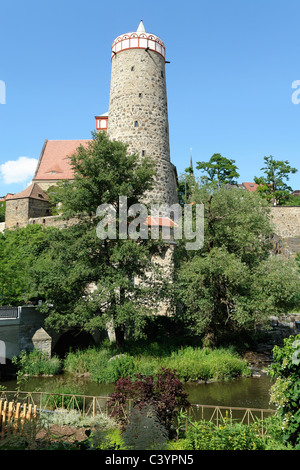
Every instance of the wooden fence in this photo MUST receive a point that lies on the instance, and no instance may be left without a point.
(13, 416)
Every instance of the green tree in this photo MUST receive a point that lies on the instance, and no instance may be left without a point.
(186, 186)
(18, 251)
(220, 170)
(232, 283)
(273, 185)
(90, 282)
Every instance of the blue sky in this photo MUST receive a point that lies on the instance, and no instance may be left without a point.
(229, 82)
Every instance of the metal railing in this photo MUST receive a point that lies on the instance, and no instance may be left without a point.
(8, 313)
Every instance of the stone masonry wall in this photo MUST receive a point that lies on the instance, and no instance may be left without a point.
(16, 213)
(286, 220)
(138, 114)
(38, 208)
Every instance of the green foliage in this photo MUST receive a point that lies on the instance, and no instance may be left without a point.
(18, 251)
(219, 169)
(291, 200)
(204, 435)
(273, 186)
(191, 363)
(285, 393)
(77, 258)
(233, 284)
(103, 439)
(37, 363)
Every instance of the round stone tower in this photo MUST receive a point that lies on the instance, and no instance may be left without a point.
(138, 111)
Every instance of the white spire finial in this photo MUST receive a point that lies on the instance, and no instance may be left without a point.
(141, 28)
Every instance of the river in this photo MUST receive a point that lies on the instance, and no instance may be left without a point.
(245, 392)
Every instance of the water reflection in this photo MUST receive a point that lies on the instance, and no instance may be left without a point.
(242, 392)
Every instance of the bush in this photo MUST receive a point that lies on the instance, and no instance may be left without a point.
(204, 435)
(74, 418)
(165, 395)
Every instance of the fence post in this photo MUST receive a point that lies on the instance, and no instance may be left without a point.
(94, 406)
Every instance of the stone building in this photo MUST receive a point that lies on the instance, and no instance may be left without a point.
(30, 203)
(137, 116)
(138, 109)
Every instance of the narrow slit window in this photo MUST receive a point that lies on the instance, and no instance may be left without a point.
(143, 153)
(162, 74)
(136, 124)
(132, 68)
(140, 95)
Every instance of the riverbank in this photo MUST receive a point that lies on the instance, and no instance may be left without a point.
(193, 364)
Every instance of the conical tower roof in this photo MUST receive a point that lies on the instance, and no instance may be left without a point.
(141, 28)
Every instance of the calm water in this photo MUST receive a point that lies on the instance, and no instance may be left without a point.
(247, 392)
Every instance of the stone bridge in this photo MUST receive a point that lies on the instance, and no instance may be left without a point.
(22, 328)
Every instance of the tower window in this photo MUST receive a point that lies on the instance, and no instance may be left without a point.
(136, 124)
(140, 95)
(132, 68)
(162, 74)
(143, 153)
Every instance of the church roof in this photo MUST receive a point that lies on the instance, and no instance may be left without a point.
(54, 162)
(33, 191)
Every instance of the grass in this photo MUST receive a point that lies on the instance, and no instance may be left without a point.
(37, 363)
(191, 363)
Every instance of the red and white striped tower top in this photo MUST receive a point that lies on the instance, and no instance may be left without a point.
(138, 40)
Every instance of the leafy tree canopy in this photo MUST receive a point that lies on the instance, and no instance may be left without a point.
(18, 251)
(232, 283)
(219, 169)
(273, 184)
(86, 281)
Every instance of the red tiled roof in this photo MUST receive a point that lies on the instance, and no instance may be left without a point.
(250, 186)
(153, 221)
(33, 191)
(54, 163)
(6, 197)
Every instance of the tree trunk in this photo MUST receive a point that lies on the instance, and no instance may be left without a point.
(120, 337)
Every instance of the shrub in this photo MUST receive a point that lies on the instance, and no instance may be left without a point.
(204, 435)
(165, 395)
(285, 392)
(74, 418)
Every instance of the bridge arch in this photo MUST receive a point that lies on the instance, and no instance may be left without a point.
(72, 339)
